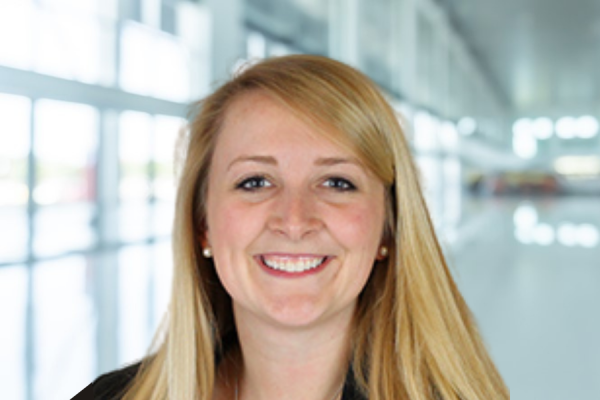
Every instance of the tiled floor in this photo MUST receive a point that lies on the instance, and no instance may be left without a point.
(531, 273)
(530, 269)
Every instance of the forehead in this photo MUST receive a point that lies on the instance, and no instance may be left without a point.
(258, 119)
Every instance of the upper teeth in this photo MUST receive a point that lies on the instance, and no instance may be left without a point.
(296, 264)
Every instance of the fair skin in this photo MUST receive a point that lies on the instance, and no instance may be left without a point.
(295, 223)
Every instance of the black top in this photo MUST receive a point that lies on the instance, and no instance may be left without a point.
(111, 386)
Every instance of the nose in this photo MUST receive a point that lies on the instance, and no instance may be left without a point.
(295, 215)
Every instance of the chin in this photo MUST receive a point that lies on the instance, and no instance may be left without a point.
(301, 313)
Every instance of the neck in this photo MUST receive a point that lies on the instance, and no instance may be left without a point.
(291, 364)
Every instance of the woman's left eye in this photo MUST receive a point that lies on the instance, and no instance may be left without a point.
(340, 184)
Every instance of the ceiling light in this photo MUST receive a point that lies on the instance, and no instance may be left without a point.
(467, 126)
(542, 128)
(567, 234)
(543, 234)
(588, 235)
(524, 145)
(578, 165)
(566, 128)
(587, 127)
(522, 126)
(525, 216)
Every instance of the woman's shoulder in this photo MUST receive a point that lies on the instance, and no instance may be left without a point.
(109, 386)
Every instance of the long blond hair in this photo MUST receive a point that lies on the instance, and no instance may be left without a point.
(414, 335)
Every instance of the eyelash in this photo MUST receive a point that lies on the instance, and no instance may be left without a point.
(346, 185)
(258, 182)
(253, 183)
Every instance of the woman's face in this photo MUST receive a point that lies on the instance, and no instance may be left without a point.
(294, 221)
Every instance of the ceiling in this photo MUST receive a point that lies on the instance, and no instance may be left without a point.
(542, 55)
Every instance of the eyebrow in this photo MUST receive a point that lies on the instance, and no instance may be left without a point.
(323, 161)
(257, 159)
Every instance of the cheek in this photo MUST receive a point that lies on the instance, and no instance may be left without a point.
(360, 226)
(231, 224)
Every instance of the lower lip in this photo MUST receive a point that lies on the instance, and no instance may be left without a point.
(285, 274)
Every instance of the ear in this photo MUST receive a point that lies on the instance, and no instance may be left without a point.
(202, 236)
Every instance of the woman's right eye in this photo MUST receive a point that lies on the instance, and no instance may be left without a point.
(253, 183)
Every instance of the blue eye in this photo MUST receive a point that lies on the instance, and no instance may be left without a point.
(253, 183)
(340, 184)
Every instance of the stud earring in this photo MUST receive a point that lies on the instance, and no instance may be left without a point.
(383, 251)
(207, 252)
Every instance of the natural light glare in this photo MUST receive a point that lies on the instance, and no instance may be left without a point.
(426, 127)
(135, 136)
(13, 335)
(14, 148)
(256, 46)
(136, 72)
(172, 69)
(16, 33)
(449, 136)
(69, 46)
(154, 63)
(65, 340)
(14, 125)
(65, 148)
(86, 6)
(168, 130)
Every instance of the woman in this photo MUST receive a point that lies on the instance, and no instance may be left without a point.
(306, 264)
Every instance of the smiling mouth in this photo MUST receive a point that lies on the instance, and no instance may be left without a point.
(295, 264)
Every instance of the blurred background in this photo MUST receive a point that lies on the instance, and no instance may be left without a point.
(500, 101)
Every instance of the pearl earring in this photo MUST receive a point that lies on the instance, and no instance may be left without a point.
(207, 252)
(383, 251)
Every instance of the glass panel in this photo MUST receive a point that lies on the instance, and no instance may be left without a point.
(62, 228)
(80, 6)
(135, 130)
(256, 46)
(69, 46)
(452, 196)
(167, 132)
(65, 356)
(374, 40)
(430, 171)
(134, 301)
(13, 308)
(134, 221)
(65, 148)
(14, 148)
(154, 63)
(163, 214)
(426, 132)
(13, 234)
(14, 151)
(16, 33)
